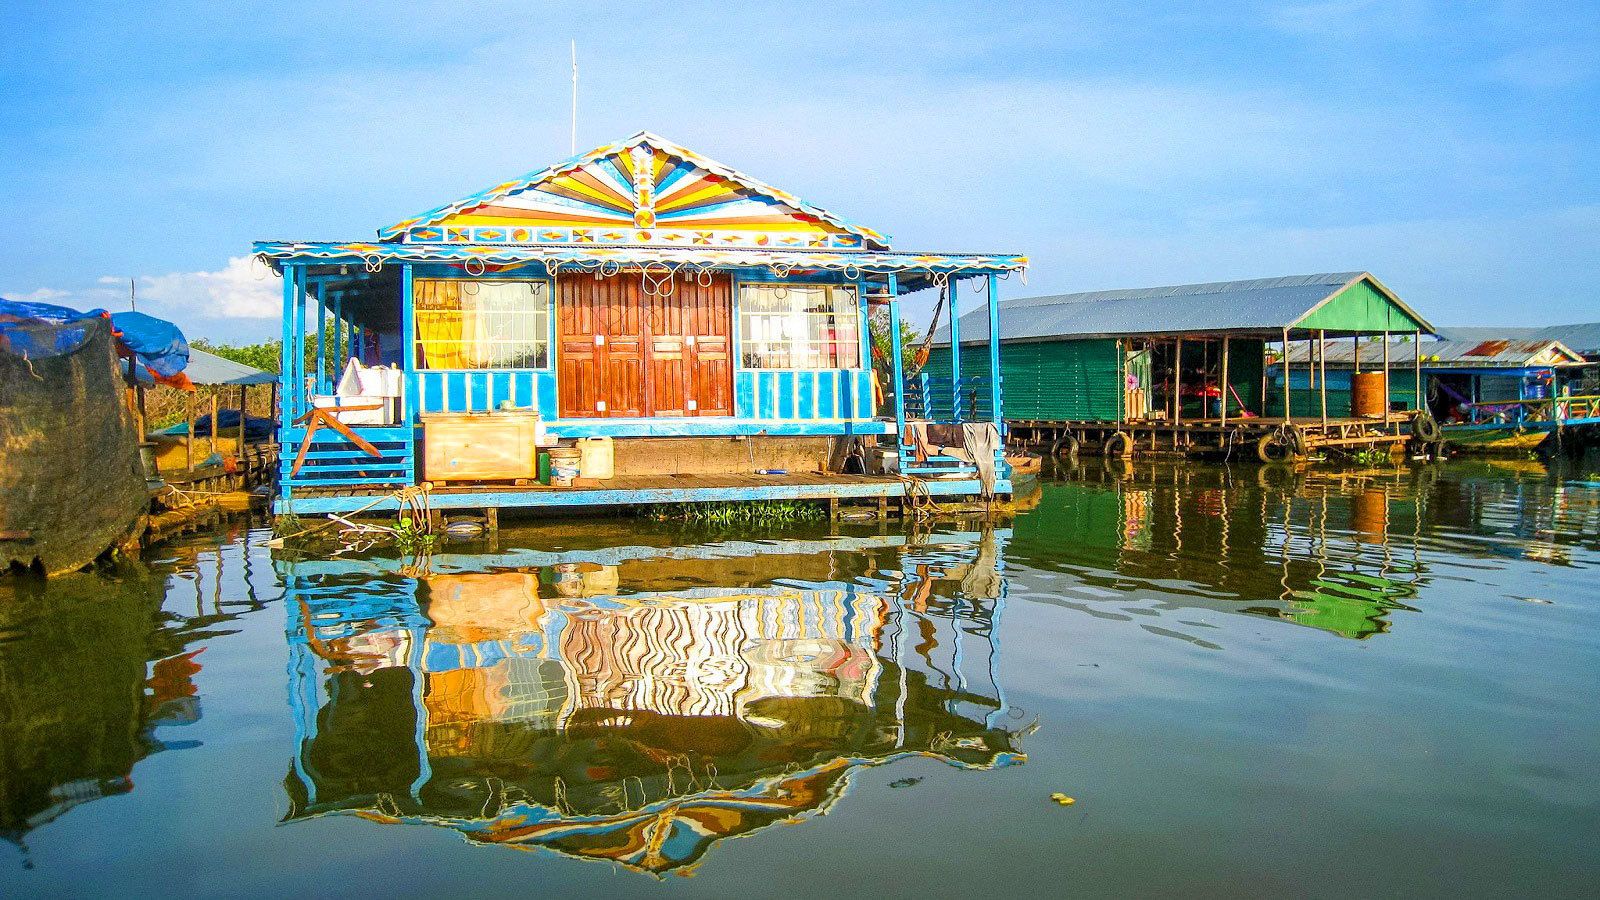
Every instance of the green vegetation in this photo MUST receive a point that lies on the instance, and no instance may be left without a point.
(755, 512)
(412, 538)
(267, 355)
(1373, 456)
(882, 342)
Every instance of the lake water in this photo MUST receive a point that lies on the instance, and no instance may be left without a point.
(1251, 682)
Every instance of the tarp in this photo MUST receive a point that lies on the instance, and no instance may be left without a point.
(157, 344)
(43, 330)
(255, 427)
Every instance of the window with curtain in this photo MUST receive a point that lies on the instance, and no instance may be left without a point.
(799, 326)
(463, 324)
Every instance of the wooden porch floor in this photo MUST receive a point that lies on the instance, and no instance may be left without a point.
(623, 491)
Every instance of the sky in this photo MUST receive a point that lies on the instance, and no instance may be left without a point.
(1452, 149)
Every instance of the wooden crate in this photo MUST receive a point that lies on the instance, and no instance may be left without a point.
(481, 447)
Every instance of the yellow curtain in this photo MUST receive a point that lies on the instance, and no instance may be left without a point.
(439, 324)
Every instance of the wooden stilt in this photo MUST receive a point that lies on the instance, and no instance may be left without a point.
(188, 439)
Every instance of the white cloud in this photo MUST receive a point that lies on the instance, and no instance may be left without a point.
(241, 290)
(39, 295)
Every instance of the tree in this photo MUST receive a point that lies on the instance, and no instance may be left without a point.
(882, 343)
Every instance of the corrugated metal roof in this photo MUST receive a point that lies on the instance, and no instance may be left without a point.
(210, 369)
(1581, 337)
(1261, 304)
(1495, 353)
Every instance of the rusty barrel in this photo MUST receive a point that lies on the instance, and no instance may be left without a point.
(1369, 394)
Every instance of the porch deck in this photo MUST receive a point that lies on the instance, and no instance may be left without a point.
(628, 491)
(1213, 435)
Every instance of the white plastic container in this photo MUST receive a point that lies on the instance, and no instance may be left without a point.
(598, 459)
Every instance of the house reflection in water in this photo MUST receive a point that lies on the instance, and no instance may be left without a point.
(577, 706)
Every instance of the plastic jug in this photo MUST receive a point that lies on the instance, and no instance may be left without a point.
(598, 461)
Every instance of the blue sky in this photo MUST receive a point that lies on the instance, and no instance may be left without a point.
(1449, 148)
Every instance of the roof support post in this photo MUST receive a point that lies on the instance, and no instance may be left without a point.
(1416, 370)
(285, 391)
(408, 344)
(897, 364)
(322, 321)
(1285, 368)
(337, 353)
(1177, 386)
(1386, 378)
(1226, 385)
(950, 286)
(995, 390)
(1322, 373)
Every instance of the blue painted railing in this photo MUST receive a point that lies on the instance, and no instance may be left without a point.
(934, 398)
(334, 462)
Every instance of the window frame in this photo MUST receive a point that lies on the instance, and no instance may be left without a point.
(417, 356)
(855, 306)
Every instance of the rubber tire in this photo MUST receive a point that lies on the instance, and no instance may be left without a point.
(1270, 448)
(1425, 429)
(1066, 448)
(1119, 444)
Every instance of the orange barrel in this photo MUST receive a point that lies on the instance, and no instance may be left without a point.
(1369, 394)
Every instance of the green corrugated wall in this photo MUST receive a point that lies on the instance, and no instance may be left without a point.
(1079, 380)
(1050, 381)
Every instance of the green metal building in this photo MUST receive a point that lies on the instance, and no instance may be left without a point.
(1108, 356)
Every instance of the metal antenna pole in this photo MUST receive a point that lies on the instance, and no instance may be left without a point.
(574, 97)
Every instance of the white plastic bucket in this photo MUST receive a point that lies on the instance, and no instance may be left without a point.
(565, 464)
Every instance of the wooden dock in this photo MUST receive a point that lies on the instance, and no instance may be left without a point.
(637, 490)
(1267, 438)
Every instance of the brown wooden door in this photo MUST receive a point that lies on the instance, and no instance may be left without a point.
(580, 332)
(624, 352)
(707, 311)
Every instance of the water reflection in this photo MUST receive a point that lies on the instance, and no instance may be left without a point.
(639, 704)
(1341, 550)
(93, 667)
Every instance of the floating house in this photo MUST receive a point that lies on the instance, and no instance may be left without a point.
(1478, 386)
(1189, 368)
(712, 326)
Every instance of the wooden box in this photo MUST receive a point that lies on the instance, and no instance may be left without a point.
(480, 447)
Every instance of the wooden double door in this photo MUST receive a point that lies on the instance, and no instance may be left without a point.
(625, 352)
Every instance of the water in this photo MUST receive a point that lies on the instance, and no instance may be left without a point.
(1251, 683)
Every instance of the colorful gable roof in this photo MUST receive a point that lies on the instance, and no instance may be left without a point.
(644, 190)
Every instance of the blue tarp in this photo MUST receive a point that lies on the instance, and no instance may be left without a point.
(41, 330)
(156, 343)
